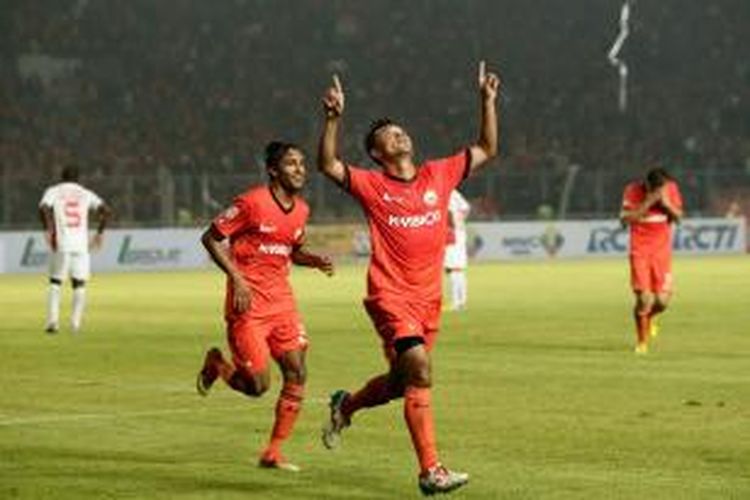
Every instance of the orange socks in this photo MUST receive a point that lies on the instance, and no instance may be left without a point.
(418, 414)
(288, 407)
(643, 325)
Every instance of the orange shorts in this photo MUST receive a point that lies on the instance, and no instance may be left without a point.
(253, 339)
(651, 273)
(395, 320)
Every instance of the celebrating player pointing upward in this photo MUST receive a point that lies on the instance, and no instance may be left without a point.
(406, 208)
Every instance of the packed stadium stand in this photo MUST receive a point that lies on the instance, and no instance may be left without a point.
(167, 105)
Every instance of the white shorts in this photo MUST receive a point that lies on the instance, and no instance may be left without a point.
(77, 264)
(455, 257)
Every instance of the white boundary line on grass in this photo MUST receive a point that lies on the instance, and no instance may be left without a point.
(54, 418)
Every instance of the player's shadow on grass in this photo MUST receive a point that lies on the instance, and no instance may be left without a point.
(355, 481)
(127, 470)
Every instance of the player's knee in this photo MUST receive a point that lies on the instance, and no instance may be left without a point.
(296, 375)
(55, 281)
(77, 283)
(661, 303)
(293, 367)
(420, 376)
(644, 302)
(414, 365)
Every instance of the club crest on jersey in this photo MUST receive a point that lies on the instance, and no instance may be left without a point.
(430, 197)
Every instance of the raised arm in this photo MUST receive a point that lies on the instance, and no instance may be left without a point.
(674, 210)
(628, 216)
(213, 240)
(486, 145)
(333, 105)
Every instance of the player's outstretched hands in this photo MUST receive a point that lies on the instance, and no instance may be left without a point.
(488, 82)
(333, 100)
(241, 295)
(325, 265)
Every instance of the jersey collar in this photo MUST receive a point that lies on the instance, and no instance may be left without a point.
(281, 206)
(399, 179)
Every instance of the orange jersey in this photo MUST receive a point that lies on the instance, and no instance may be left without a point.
(653, 234)
(262, 236)
(408, 224)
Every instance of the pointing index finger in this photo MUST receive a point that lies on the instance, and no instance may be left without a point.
(337, 83)
(482, 71)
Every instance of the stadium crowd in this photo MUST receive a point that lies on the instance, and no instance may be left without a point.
(190, 86)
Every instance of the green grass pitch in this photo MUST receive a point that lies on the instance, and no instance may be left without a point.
(537, 393)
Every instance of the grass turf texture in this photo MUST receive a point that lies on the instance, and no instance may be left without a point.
(537, 392)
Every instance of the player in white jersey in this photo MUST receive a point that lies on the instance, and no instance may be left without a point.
(455, 250)
(64, 211)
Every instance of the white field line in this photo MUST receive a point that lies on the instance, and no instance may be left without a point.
(55, 418)
(110, 383)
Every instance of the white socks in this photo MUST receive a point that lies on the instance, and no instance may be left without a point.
(458, 289)
(79, 303)
(53, 305)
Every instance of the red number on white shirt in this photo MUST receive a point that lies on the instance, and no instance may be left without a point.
(72, 213)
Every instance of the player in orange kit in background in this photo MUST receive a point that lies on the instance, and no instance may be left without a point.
(650, 207)
(406, 206)
(266, 228)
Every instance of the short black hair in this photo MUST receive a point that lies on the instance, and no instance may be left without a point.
(275, 151)
(70, 173)
(656, 178)
(373, 131)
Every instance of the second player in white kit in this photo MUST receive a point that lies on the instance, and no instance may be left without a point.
(64, 211)
(456, 258)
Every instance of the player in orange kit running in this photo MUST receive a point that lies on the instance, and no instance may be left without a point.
(406, 208)
(650, 207)
(266, 228)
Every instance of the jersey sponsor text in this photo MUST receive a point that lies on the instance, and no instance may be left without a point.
(415, 221)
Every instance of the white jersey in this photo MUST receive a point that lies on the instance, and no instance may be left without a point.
(455, 253)
(70, 203)
(459, 209)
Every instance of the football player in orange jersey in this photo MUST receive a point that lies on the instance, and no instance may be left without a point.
(406, 206)
(265, 228)
(650, 207)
